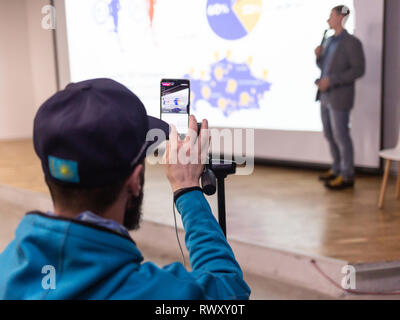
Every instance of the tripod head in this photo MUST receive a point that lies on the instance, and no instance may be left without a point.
(216, 169)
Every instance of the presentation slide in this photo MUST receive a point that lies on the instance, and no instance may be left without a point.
(251, 63)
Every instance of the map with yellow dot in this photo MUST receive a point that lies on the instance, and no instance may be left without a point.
(229, 87)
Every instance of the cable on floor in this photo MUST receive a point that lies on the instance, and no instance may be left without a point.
(337, 285)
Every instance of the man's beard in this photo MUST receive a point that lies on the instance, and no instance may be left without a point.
(133, 210)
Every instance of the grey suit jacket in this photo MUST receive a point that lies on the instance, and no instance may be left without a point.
(348, 64)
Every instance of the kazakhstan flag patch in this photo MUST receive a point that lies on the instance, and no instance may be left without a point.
(64, 170)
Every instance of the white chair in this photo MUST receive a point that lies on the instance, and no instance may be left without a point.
(390, 155)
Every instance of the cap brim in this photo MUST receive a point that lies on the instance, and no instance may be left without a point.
(156, 123)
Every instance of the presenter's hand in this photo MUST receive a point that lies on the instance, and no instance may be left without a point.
(323, 84)
(318, 51)
(184, 159)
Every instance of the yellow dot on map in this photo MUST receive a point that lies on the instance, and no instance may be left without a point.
(64, 170)
(191, 71)
(228, 54)
(250, 61)
(218, 73)
(265, 73)
(222, 103)
(231, 86)
(244, 99)
(216, 55)
(206, 92)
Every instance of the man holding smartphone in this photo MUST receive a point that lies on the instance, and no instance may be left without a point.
(341, 62)
(91, 139)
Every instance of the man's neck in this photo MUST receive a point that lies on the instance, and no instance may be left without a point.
(338, 31)
(113, 213)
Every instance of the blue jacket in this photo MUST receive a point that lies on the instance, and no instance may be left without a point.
(90, 262)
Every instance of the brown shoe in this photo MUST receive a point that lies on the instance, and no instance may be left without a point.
(327, 176)
(339, 183)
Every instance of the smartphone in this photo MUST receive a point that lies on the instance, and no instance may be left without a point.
(175, 103)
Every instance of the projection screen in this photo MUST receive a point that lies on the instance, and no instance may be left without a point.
(251, 63)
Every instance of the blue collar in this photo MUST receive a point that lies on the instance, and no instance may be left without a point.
(93, 218)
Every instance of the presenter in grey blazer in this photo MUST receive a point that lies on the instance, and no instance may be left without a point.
(342, 61)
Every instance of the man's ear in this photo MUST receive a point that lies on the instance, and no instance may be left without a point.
(134, 181)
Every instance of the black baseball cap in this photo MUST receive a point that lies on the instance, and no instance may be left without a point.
(92, 133)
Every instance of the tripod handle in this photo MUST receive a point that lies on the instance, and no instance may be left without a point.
(208, 181)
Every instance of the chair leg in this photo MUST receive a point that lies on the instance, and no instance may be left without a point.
(384, 183)
(398, 181)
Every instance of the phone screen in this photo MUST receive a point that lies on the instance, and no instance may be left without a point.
(175, 101)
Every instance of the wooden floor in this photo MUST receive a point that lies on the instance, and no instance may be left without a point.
(276, 207)
(20, 167)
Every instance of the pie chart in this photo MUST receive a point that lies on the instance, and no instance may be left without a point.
(233, 19)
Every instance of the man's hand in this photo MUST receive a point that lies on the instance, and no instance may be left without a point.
(318, 51)
(323, 84)
(183, 158)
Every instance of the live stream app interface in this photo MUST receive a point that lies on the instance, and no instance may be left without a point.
(174, 104)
